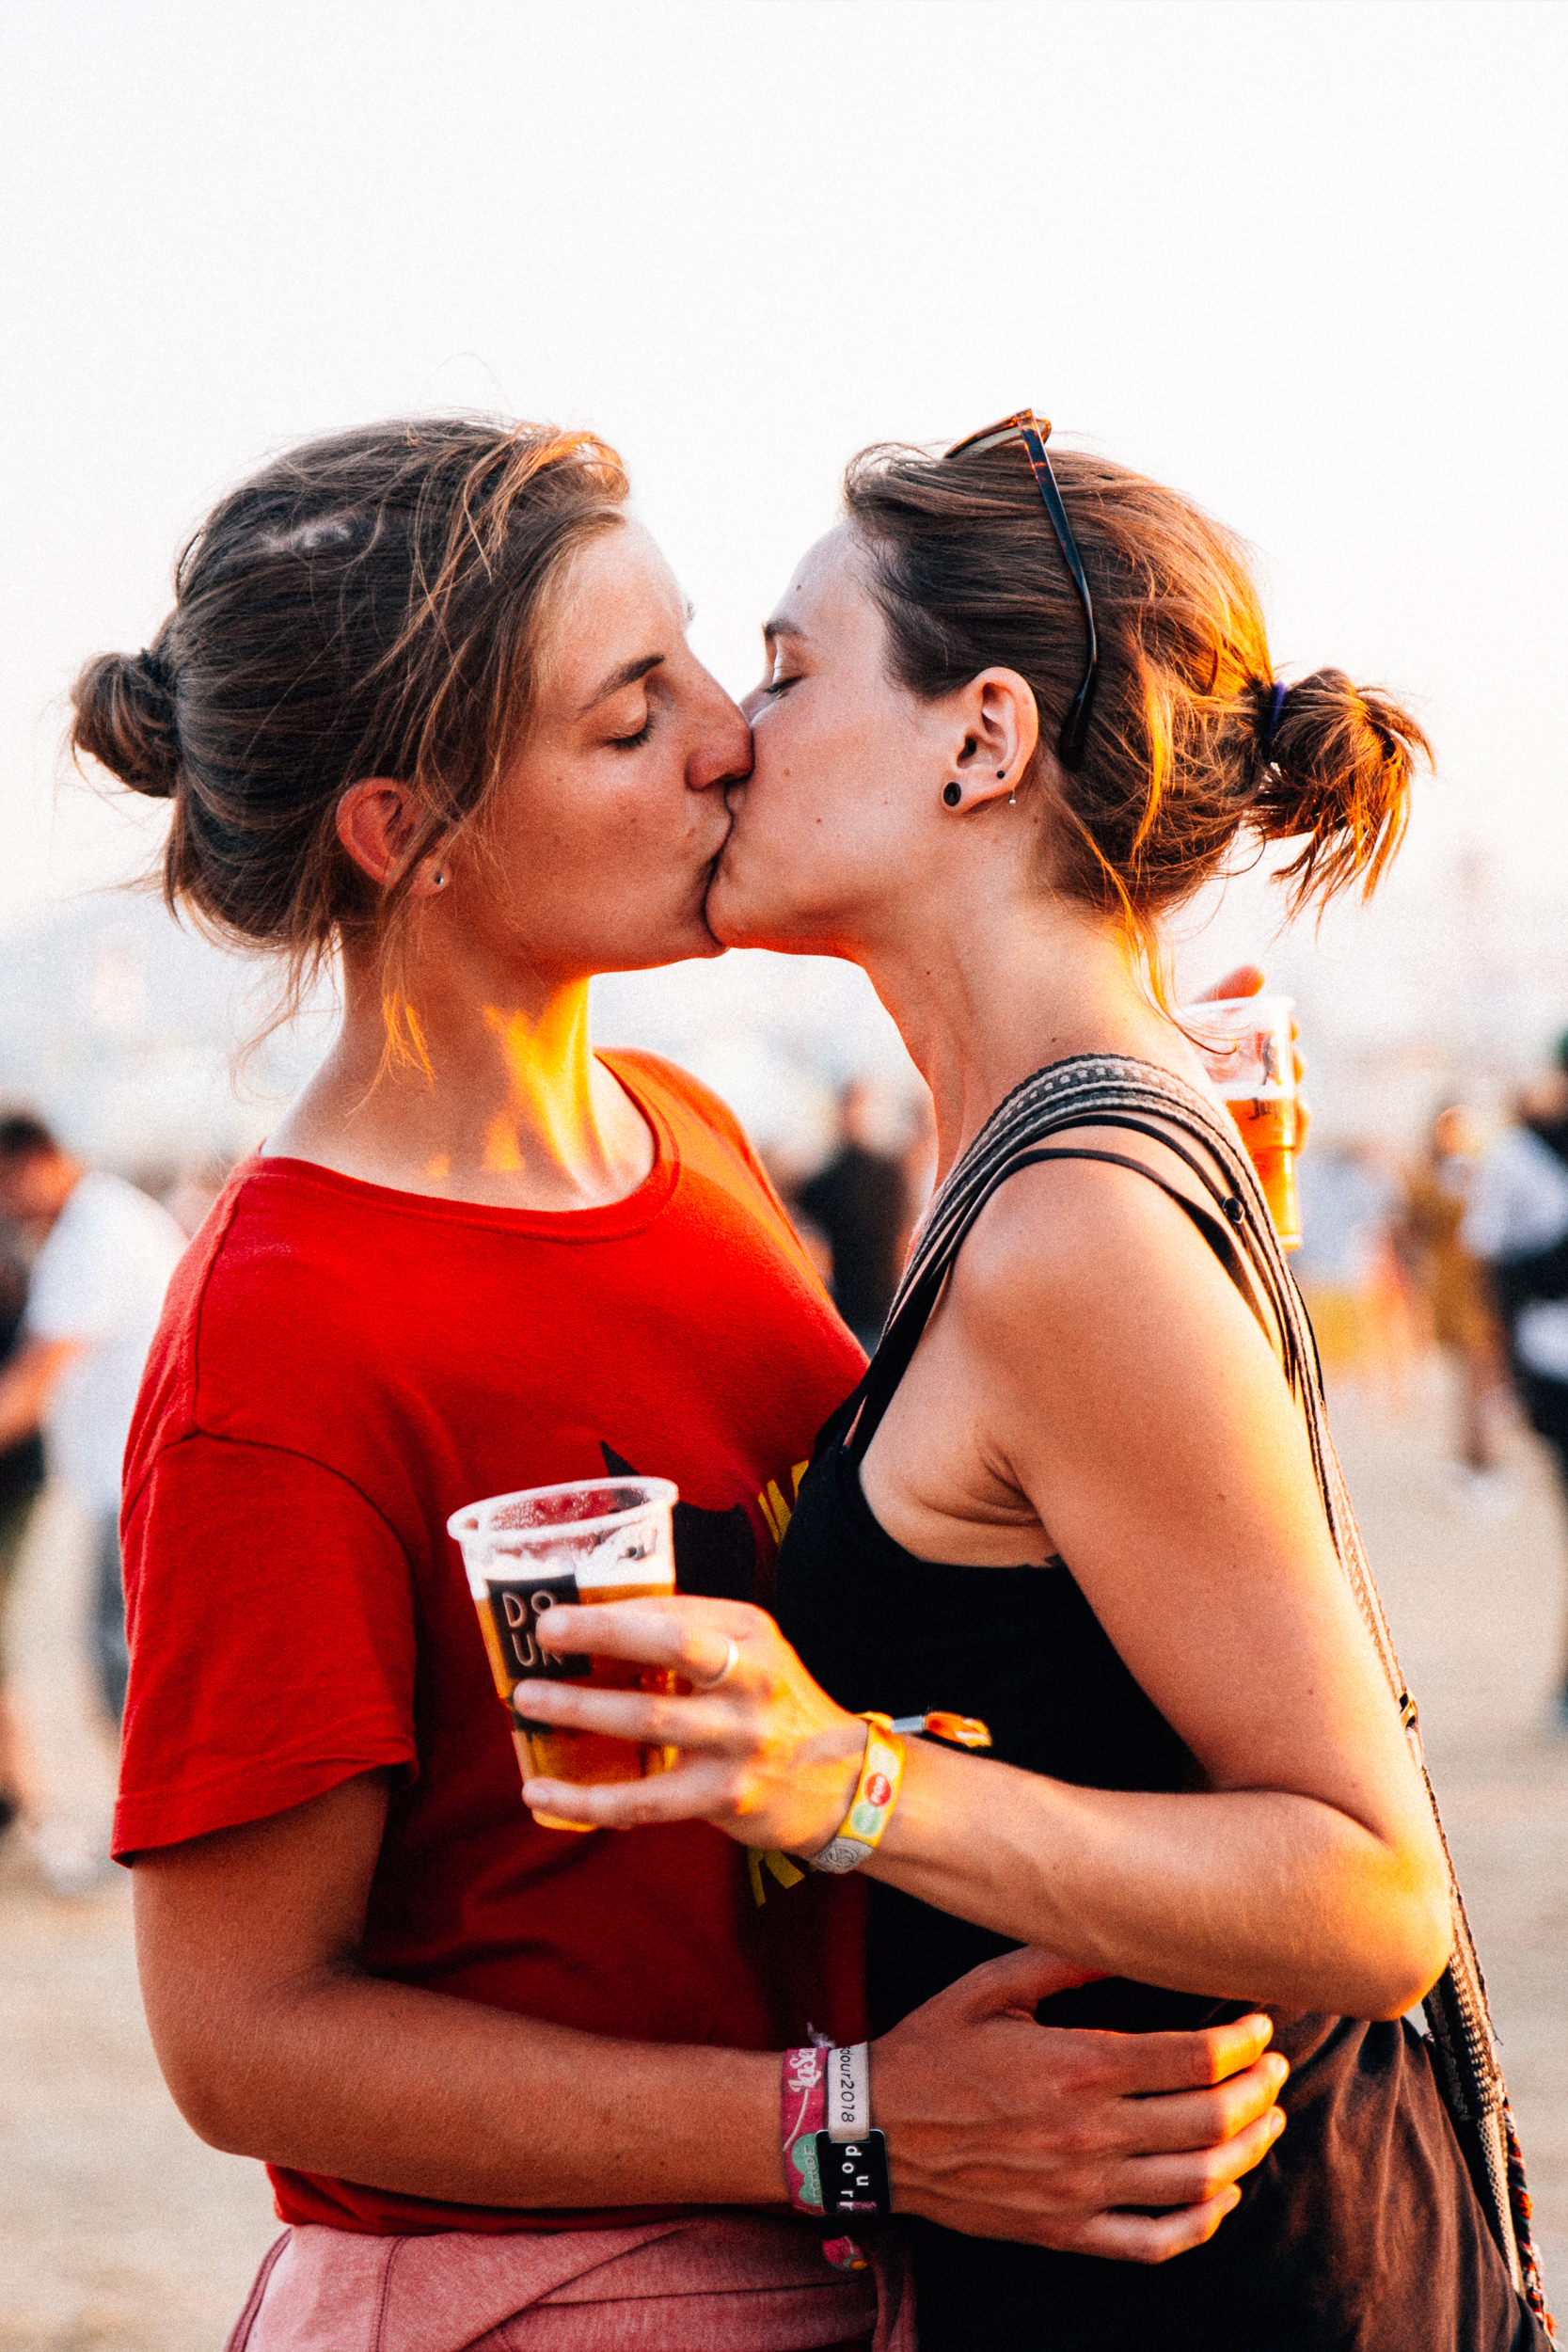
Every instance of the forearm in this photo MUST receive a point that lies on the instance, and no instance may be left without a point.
(408, 2090)
(1254, 1895)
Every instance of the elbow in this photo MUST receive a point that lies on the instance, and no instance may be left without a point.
(219, 2079)
(206, 2101)
(1419, 1922)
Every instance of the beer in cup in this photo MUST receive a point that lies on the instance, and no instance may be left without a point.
(594, 1539)
(1248, 1051)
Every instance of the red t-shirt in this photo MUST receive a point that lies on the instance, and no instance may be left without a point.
(339, 1368)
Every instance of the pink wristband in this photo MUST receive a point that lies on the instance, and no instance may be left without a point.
(803, 2113)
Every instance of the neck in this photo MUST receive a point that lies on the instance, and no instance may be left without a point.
(982, 1001)
(492, 1093)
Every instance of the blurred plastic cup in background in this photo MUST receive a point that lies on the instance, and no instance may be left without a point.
(1247, 1048)
(591, 1540)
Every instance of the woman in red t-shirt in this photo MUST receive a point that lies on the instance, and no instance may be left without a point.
(425, 702)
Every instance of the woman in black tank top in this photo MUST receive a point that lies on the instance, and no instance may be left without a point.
(1085, 1491)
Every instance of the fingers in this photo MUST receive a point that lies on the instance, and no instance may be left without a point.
(1195, 2120)
(1137, 2064)
(678, 1633)
(1247, 980)
(1138, 2237)
(1197, 2175)
(1017, 1980)
(693, 1789)
(647, 1716)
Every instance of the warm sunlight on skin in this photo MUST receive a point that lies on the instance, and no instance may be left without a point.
(827, 811)
(843, 844)
(595, 855)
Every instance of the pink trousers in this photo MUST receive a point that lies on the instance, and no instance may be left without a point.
(752, 2284)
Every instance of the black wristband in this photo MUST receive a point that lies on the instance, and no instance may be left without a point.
(853, 2174)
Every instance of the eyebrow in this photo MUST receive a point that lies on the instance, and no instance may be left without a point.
(781, 628)
(628, 675)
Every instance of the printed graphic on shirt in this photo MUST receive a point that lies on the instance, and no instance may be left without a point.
(716, 1552)
(774, 1509)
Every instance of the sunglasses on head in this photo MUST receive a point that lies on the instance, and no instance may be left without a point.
(1034, 431)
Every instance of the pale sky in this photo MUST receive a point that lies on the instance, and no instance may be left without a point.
(1305, 262)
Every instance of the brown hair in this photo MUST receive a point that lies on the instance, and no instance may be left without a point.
(373, 604)
(1179, 757)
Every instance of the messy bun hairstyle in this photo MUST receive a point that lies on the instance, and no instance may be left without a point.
(1190, 743)
(368, 604)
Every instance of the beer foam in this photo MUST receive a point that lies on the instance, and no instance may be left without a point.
(632, 1556)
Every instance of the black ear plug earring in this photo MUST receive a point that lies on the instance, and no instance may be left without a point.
(951, 794)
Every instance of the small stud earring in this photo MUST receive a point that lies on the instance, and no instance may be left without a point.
(951, 794)
(1000, 773)
(438, 882)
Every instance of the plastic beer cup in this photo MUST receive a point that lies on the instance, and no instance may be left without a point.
(593, 1540)
(1248, 1051)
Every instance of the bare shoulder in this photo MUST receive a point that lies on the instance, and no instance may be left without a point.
(1073, 1236)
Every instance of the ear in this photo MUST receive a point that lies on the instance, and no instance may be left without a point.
(377, 821)
(998, 727)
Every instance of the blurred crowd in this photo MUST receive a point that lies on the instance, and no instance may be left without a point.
(85, 1261)
(1464, 1252)
(1461, 1253)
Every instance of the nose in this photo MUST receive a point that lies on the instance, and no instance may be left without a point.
(723, 752)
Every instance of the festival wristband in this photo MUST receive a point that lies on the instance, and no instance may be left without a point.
(871, 1806)
(959, 1731)
(803, 2112)
(851, 2158)
(848, 2086)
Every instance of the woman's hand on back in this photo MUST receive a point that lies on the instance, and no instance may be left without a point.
(277, 2043)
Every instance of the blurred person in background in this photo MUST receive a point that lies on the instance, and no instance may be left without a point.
(1516, 1221)
(1347, 1267)
(859, 1204)
(1455, 1286)
(104, 1255)
(21, 1482)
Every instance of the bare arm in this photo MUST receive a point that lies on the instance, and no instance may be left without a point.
(276, 2043)
(27, 1384)
(1123, 1399)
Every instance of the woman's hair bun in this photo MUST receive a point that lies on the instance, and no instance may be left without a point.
(1336, 762)
(125, 720)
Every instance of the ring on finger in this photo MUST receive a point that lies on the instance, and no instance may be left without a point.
(731, 1659)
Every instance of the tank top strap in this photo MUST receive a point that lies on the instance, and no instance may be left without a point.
(1014, 1140)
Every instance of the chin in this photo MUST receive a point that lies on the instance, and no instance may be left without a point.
(735, 917)
(685, 939)
(739, 919)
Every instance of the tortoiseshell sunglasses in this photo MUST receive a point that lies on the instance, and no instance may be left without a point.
(1034, 431)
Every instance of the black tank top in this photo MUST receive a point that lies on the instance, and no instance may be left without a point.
(1360, 2229)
